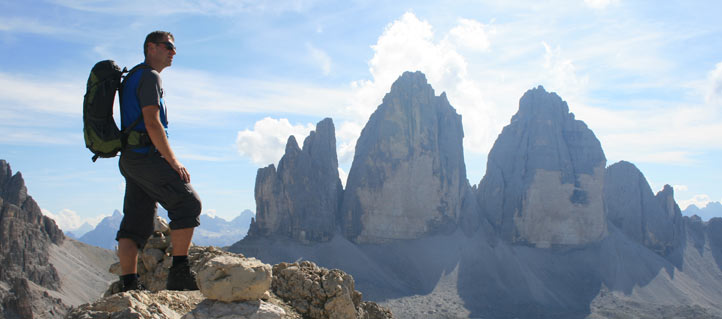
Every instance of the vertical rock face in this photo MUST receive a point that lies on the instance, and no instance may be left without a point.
(408, 177)
(300, 200)
(654, 221)
(544, 177)
(25, 239)
(25, 234)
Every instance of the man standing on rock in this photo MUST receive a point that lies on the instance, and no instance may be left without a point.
(152, 173)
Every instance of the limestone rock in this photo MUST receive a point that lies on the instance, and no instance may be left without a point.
(300, 200)
(317, 292)
(229, 278)
(665, 228)
(545, 175)
(139, 305)
(213, 309)
(408, 177)
(654, 221)
(26, 237)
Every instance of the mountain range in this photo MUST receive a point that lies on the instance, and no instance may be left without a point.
(213, 231)
(707, 212)
(550, 231)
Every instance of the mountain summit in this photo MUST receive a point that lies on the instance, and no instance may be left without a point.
(544, 177)
(408, 177)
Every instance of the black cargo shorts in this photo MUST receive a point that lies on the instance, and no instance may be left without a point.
(149, 180)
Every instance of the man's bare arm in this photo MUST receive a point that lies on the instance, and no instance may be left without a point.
(151, 118)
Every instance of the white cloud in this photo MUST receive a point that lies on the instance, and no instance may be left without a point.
(210, 212)
(320, 58)
(266, 143)
(343, 176)
(680, 188)
(187, 89)
(714, 93)
(563, 77)
(25, 25)
(408, 44)
(471, 34)
(22, 94)
(600, 4)
(69, 220)
(699, 200)
(347, 134)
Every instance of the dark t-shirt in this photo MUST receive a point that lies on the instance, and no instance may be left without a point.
(143, 88)
(150, 88)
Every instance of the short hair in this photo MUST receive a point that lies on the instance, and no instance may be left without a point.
(154, 37)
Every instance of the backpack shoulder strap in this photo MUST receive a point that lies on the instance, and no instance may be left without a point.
(140, 66)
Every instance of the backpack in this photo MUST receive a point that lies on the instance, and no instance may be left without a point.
(102, 136)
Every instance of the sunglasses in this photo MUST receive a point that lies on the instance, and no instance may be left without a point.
(168, 45)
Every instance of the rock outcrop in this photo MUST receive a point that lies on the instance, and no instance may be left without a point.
(654, 221)
(232, 286)
(408, 177)
(544, 177)
(300, 200)
(317, 293)
(25, 240)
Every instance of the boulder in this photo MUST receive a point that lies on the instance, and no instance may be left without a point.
(408, 177)
(545, 176)
(230, 278)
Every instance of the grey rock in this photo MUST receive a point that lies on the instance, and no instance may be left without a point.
(319, 293)
(25, 235)
(212, 309)
(654, 221)
(230, 278)
(408, 177)
(300, 199)
(544, 177)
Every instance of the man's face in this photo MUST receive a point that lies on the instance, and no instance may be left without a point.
(163, 51)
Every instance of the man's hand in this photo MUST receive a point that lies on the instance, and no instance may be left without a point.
(181, 170)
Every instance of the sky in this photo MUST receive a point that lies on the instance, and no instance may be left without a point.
(645, 76)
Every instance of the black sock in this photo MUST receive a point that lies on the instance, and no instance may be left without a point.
(129, 280)
(179, 259)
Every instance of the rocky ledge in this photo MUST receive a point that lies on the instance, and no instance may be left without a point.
(231, 286)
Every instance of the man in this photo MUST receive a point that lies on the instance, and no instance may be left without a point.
(152, 172)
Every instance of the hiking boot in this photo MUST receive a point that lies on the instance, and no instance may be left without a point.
(181, 277)
(135, 285)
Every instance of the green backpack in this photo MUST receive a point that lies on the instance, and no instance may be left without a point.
(102, 135)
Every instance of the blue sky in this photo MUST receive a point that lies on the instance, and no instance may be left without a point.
(646, 77)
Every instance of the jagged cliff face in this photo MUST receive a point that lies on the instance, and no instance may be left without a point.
(25, 234)
(654, 221)
(408, 177)
(300, 200)
(25, 239)
(545, 175)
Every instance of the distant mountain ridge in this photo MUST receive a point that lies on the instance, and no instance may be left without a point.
(213, 231)
(707, 212)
